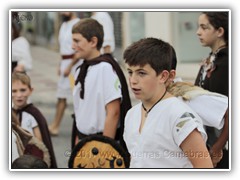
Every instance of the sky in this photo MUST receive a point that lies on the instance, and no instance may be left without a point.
(122, 4)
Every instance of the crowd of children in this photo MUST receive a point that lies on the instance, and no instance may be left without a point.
(175, 125)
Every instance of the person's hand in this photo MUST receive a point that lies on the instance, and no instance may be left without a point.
(19, 68)
(216, 155)
(75, 59)
(67, 71)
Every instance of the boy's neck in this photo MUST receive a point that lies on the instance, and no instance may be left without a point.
(94, 55)
(149, 103)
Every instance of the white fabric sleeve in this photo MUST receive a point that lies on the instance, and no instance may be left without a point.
(210, 108)
(111, 84)
(33, 121)
(184, 125)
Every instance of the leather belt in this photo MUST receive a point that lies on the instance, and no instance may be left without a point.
(67, 56)
(81, 135)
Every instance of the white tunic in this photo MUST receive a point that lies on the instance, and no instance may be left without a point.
(102, 86)
(65, 37)
(166, 127)
(21, 52)
(210, 108)
(108, 28)
(28, 122)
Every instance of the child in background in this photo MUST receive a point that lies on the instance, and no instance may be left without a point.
(213, 73)
(30, 118)
(100, 94)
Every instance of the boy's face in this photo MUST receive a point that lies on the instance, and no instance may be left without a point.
(144, 81)
(83, 47)
(20, 94)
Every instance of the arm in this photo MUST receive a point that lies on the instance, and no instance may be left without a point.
(216, 149)
(194, 147)
(59, 69)
(75, 59)
(112, 118)
(37, 133)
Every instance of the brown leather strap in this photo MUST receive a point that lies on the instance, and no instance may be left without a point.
(67, 56)
(81, 135)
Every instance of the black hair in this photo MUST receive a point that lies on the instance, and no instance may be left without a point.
(155, 52)
(174, 59)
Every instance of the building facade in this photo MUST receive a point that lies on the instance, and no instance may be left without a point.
(176, 27)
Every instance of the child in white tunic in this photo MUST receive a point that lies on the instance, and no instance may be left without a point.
(29, 117)
(161, 131)
(98, 87)
(21, 90)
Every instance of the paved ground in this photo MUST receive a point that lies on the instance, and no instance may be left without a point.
(44, 79)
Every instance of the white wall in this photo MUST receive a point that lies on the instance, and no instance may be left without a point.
(126, 30)
(159, 25)
(186, 42)
(177, 28)
(154, 24)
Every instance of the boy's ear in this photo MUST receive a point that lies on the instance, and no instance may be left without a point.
(171, 77)
(94, 41)
(164, 76)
